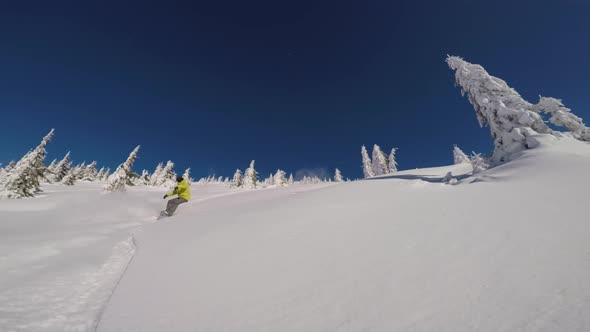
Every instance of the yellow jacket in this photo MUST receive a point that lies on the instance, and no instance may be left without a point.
(182, 190)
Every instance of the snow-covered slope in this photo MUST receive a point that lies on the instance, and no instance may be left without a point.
(507, 251)
(61, 254)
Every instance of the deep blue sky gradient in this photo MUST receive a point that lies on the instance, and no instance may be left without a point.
(295, 85)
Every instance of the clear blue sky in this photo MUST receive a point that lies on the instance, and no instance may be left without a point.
(294, 85)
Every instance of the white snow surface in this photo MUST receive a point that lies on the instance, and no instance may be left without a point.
(506, 250)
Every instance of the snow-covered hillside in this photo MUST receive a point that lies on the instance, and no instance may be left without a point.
(504, 250)
(507, 251)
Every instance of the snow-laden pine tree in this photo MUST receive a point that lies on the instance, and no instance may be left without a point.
(100, 174)
(62, 168)
(144, 178)
(168, 177)
(121, 176)
(290, 180)
(338, 176)
(269, 181)
(89, 173)
(280, 178)
(563, 117)
(459, 157)
(512, 120)
(187, 176)
(238, 178)
(391, 162)
(155, 178)
(24, 179)
(69, 179)
(367, 165)
(250, 177)
(51, 170)
(106, 174)
(478, 163)
(78, 170)
(379, 161)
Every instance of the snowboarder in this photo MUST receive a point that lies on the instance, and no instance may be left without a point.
(184, 195)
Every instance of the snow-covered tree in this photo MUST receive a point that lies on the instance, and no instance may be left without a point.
(187, 176)
(79, 170)
(24, 179)
(90, 173)
(106, 174)
(379, 162)
(168, 177)
(512, 120)
(100, 174)
(563, 117)
(280, 178)
(391, 162)
(144, 178)
(338, 176)
(250, 177)
(51, 170)
(155, 178)
(69, 179)
(478, 163)
(459, 156)
(367, 165)
(62, 168)
(238, 178)
(121, 176)
(290, 180)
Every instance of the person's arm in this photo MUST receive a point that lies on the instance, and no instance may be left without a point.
(173, 192)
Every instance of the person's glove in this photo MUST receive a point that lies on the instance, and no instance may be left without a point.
(165, 196)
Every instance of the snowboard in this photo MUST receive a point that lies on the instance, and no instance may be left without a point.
(162, 215)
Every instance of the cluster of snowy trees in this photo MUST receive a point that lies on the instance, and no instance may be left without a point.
(513, 121)
(380, 164)
(23, 178)
(249, 179)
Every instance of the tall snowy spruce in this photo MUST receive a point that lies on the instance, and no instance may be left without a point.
(338, 176)
(367, 166)
(250, 177)
(459, 157)
(280, 178)
(121, 176)
(167, 178)
(238, 179)
(62, 168)
(155, 178)
(187, 176)
(90, 172)
(512, 120)
(379, 164)
(392, 163)
(78, 170)
(23, 180)
(290, 180)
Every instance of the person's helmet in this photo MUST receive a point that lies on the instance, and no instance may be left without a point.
(179, 179)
